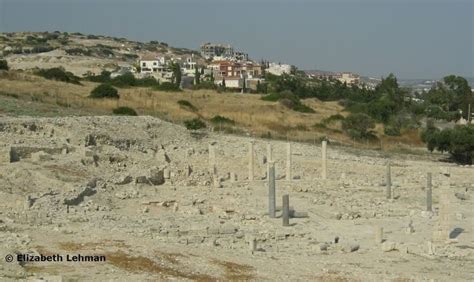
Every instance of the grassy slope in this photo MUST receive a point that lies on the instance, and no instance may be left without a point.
(37, 96)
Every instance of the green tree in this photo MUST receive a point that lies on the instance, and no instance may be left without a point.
(176, 69)
(4, 65)
(197, 76)
(359, 126)
(458, 141)
(462, 94)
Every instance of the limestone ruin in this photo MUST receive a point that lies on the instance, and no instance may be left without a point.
(161, 203)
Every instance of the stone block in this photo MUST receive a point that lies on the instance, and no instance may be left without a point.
(156, 177)
(388, 246)
(228, 230)
(213, 230)
(123, 179)
(40, 156)
(195, 240)
(350, 247)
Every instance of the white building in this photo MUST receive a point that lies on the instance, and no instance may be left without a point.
(188, 66)
(150, 64)
(278, 69)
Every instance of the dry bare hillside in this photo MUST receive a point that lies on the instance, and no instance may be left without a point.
(78, 53)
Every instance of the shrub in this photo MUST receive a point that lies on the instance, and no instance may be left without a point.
(59, 74)
(436, 112)
(194, 124)
(209, 85)
(125, 111)
(391, 130)
(220, 119)
(41, 49)
(149, 81)
(167, 86)
(272, 97)
(187, 104)
(289, 100)
(4, 65)
(7, 94)
(126, 79)
(104, 91)
(333, 118)
(78, 51)
(103, 77)
(320, 125)
(130, 56)
(358, 126)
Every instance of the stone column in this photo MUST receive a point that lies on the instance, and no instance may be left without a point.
(251, 160)
(324, 159)
(271, 191)
(27, 203)
(286, 210)
(378, 232)
(288, 161)
(443, 226)
(429, 195)
(269, 158)
(388, 180)
(253, 245)
(212, 158)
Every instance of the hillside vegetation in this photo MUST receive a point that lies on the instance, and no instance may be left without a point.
(249, 114)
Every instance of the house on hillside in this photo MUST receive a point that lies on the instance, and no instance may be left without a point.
(219, 52)
(152, 64)
(211, 50)
(156, 66)
(278, 69)
(235, 74)
(344, 77)
(188, 66)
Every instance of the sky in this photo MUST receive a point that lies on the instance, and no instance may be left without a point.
(412, 39)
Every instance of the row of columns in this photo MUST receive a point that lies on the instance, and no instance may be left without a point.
(289, 175)
(251, 160)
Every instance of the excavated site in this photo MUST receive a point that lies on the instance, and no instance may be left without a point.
(160, 202)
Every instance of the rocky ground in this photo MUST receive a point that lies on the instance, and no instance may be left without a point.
(139, 191)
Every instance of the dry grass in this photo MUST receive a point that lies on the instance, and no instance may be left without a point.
(74, 247)
(251, 114)
(140, 264)
(236, 272)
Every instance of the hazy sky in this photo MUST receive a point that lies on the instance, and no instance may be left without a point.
(413, 39)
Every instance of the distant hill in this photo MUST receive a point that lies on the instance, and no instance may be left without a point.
(80, 53)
